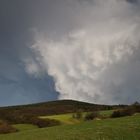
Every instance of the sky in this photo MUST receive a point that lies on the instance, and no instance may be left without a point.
(87, 50)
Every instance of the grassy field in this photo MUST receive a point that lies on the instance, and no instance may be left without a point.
(106, 113)
(64, 118)
(23, 127)
(68, 119)
(125, 128)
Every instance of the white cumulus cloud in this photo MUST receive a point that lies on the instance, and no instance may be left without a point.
(98, 61)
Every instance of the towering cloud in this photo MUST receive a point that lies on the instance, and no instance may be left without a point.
(96, 59)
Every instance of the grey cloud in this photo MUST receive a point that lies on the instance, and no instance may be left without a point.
(98, 59)
(17, 18)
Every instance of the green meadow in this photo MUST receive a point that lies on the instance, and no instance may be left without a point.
(23, 127)
(63, 118)
(68, 119)
(124, 128)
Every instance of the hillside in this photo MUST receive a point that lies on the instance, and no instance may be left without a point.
(29, 114)
(54, 107)
(31, 122)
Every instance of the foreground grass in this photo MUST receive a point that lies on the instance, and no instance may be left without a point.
(125, 128)
(23, 127)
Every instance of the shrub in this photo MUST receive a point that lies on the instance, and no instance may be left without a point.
(116, 114)
(78, 115)
(6, 128)
(44, 123)
(91, 116)
(122, 113)
(136, 107)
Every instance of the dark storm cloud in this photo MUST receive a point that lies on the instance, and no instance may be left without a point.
(133, 1)
(17, 18)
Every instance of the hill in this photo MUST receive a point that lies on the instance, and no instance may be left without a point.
(27, 121)
(29, 114)
(54, 107)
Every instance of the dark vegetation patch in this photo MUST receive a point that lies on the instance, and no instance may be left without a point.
(86, 116)
(128, 111)
(6, 128)
(78, 114)
(43, 123)
(91, 116)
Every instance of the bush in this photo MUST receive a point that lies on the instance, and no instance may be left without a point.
(91, 116)
(136, 107)
(6, 128)
(122, 113)
(44, 123)
(116, 114)
(78, 115)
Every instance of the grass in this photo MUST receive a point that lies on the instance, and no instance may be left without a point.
(106, 113)
(125, 128)
(23, 127)
(68, 119)
(64, 118)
